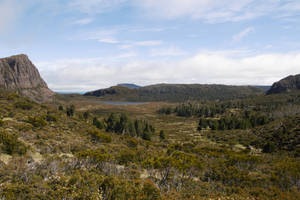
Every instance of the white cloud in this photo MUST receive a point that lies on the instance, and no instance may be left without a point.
(94, 6)
(102, 35)
(108, 37)
(109, 40)
(238, 37)
(170, 51)
(214, 11)
(148, 43)
(83, 21)
(10, 10)
(205, 67)
(145, 43)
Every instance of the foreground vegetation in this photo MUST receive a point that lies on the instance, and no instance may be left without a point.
(87, 150)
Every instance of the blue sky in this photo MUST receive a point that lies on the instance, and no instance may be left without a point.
(81, 45)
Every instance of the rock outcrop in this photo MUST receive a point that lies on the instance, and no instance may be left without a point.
(288, 84)
(18, 74)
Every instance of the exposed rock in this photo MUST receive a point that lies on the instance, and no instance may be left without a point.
(18, 74)
(285, 85)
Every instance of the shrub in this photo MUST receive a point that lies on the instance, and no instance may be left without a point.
(126, 156)
(24, 127)
(10, 144)
(70, 111)
(132, 142)
(86, 115)
(269, 147)
(37, 121)
(98, 123)
(97, 157)
(162, 135)
(287, 174)
(99, 136)
(51, 118)
(12, 96)
(60, 108)
(23, 105)
(117, 188)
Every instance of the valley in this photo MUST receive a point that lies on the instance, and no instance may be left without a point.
(79, 147)
(54, 154)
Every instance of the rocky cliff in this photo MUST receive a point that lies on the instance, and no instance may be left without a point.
(287, 84)
(18, 74)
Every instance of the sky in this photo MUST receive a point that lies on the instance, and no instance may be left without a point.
(84, 45)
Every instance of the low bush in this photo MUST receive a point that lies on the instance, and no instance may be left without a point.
(98, 136)
(10, 144)
(51, 118)
(23, 105)
(37, 121)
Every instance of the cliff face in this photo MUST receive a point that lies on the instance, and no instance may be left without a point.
(18, 74)
(287, 84)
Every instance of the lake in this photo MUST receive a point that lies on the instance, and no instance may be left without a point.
(122, 103)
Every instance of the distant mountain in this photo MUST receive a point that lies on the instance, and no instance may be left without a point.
(129, 85)
(264, 87)
(18, 74)
(175, 92)
(288, 84)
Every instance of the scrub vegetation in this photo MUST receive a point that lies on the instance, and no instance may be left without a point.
(76, 148)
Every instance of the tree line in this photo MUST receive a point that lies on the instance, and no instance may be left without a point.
(233, 122)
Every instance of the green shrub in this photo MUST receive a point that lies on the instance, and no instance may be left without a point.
(10, 144)
(96, 157)
(98, 123)
(287, 174)
(24, 127)
(126, 156)
(51, 118)
(23, 105)
(132, 142)
(269, 147)
(37, 121)
(98, 136)
(162, 135)
(12, 96)
(60, 108)
(117, 188)
(70, 111)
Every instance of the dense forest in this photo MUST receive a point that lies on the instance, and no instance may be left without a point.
(175, 92)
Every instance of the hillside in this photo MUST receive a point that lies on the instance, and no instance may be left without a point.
(285, 85)
(18, 74)
(175, 92)
(79, 148)
(49, 152)
(129, 85)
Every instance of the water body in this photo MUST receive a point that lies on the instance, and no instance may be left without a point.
(122, 103)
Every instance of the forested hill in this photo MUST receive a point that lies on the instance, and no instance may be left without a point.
(175, 92)
(287, 84)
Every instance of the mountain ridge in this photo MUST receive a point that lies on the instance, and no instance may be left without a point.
(175, 92)
(129, 85)
(285, 85)
(18, 74)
